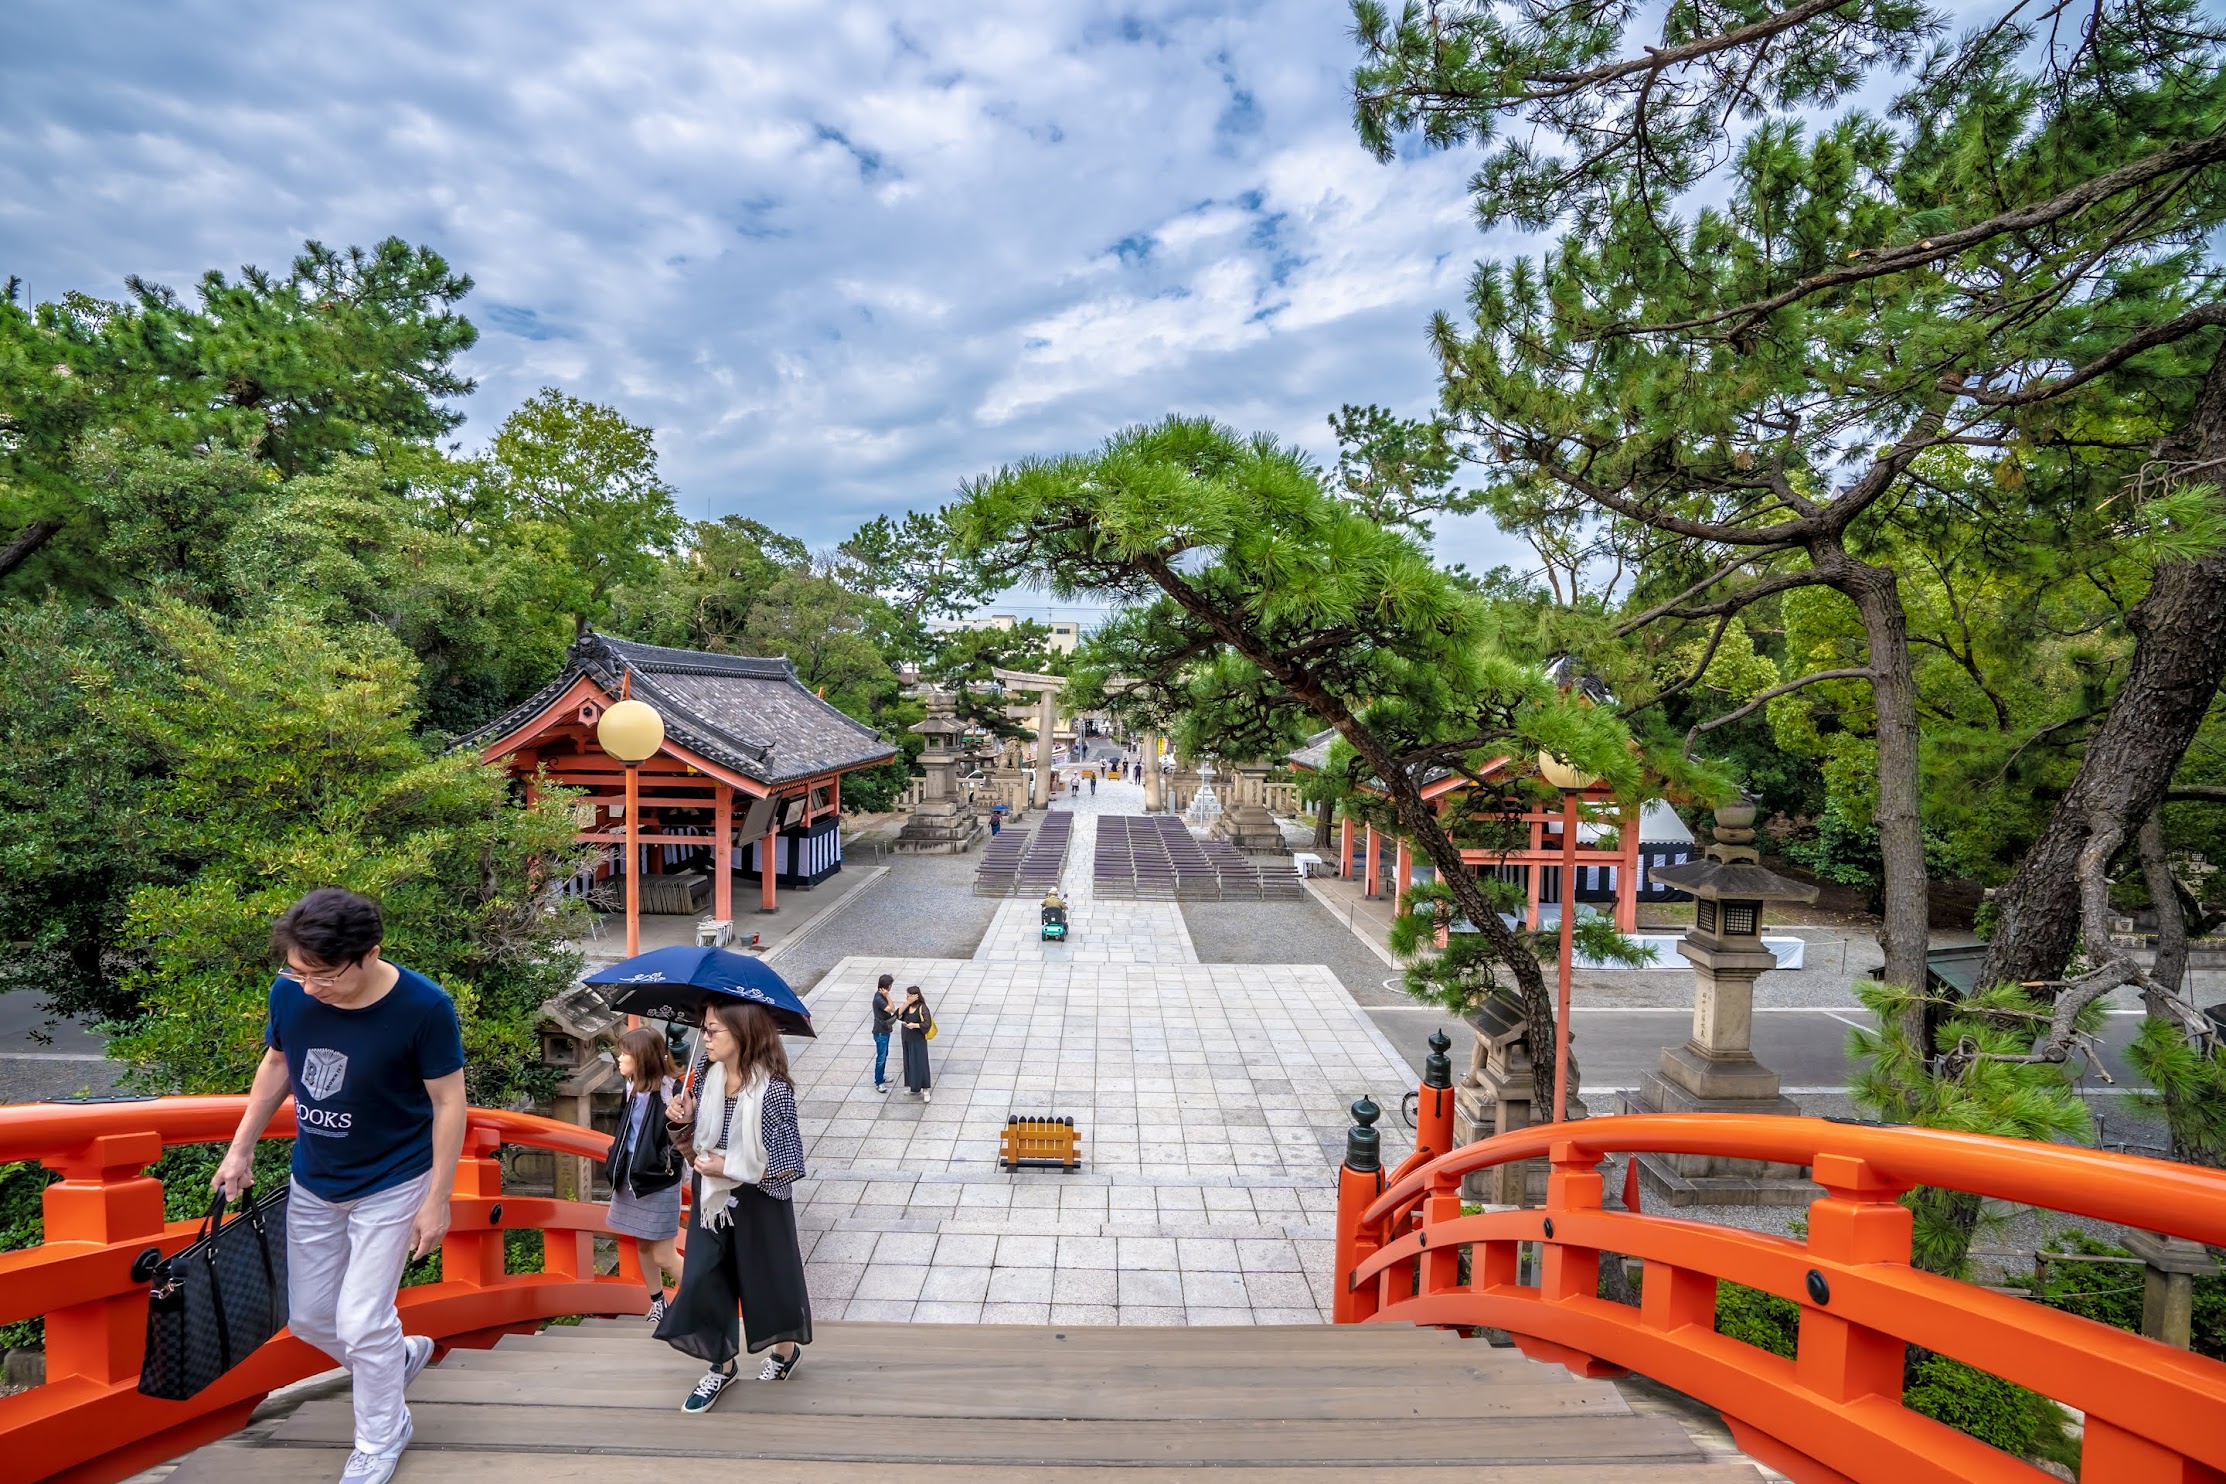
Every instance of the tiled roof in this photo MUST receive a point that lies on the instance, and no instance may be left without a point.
(751, 715)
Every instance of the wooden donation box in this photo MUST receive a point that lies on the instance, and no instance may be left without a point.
(1039, 1144)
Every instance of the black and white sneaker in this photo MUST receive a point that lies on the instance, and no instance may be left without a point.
(707, 1391)
(777, 1369)
(656, 1312)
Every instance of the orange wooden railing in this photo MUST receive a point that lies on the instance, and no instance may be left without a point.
(89, 1424)
(1833, 1413)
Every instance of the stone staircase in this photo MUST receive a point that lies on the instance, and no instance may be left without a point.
(598, 1403)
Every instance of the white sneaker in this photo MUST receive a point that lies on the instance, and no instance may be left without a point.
(377, 1468)
(420, 1348)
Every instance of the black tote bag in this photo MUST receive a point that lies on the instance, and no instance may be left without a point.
(214, 1302)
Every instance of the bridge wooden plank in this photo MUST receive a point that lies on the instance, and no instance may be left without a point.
(234, 1463)
(1336, 1341)
(1076, 1392)
(893, 1442)
(1479, 1363)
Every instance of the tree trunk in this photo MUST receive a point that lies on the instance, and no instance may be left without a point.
(27, 541)
(2179, 658)
(2170, 969)
(1905, 896)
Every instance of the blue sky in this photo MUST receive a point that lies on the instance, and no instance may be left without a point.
(840, 257)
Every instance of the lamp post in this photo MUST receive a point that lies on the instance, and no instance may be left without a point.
(1571, 783)
(631, 732)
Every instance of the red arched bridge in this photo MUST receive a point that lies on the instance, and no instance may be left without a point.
(1405, 1254)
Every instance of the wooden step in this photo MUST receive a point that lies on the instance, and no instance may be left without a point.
(1078, 1392)
(1479, 1362)
(892, 1443)
(1321, 1339)
(235, 1463)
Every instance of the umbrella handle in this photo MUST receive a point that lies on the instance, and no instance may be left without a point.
(696, 1063)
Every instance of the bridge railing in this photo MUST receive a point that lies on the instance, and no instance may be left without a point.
(88, 1424)
(2153, 1413)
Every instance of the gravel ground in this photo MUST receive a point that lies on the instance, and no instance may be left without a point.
(1299, 932)
(924, 908)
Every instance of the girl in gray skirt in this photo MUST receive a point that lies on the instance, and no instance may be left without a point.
(644, 1169)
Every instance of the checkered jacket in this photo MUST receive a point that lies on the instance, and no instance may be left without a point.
(784, 1142)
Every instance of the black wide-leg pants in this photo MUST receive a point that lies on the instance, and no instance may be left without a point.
(752, 1261)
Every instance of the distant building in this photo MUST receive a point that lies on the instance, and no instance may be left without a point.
(1065, 636)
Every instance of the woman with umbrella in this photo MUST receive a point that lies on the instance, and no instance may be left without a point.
(740, 1129)
(736, 1125)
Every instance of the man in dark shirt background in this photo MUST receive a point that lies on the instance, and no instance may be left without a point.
(375, 1062)
(884, 1022)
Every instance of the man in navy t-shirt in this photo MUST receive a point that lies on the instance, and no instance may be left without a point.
(372, 1055)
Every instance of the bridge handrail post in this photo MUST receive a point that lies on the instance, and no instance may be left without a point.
(1433, 1133)
(1573, 1184)
(105, 1196)
(475, 1257)
(1359, 1181)
(1859, 1220)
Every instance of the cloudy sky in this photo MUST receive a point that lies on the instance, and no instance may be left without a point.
(839, 256)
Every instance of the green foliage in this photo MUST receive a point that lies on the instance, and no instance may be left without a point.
(1395, 471)
(290, 761)
(1975, 1087)
(2023, 1424)
(2189, 1083)
(2111, 1293)
(706, 594)
(580, 481)
(1760, 1319)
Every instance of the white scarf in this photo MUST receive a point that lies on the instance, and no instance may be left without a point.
(745, 1139)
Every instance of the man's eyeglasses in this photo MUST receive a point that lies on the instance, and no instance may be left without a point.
(322, 978)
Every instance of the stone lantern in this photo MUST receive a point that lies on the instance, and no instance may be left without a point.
(588, 1090)
(945, 821)
(1496, 1096)
(1715, 1070)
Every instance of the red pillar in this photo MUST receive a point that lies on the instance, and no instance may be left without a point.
(1370, 886)
(633, 863)
(1402, 870)
(1568, 929)
(1344, 847)
(722, 851)
(1627, 871)
(765, 873)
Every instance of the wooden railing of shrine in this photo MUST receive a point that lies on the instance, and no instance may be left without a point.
(2153, 1413)
(88, 1424)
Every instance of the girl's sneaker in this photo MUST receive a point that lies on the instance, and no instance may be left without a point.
(777, 1369)
(656, 1313)
(707, 1391)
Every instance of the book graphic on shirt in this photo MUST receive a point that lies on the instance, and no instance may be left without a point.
(322, 1072)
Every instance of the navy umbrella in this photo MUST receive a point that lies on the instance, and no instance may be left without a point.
(682, 984)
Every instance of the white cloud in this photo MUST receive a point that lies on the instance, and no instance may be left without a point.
(840, 257)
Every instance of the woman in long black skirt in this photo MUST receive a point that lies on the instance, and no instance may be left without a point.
(916, 1020)
(740, 1130)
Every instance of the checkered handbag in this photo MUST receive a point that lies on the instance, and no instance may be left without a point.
(214, 1302)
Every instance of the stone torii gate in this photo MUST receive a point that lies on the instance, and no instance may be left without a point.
(1155, 784)
(1047, 723)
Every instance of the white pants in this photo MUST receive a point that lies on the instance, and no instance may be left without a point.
(344, 1261)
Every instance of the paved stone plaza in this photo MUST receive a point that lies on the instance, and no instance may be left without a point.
(1211, 1098)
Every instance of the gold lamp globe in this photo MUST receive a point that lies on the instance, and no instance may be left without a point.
(1562, 776)
(631, 731)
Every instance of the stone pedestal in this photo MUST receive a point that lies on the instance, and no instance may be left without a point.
(1715, 1071)
(1496, 1097)
(1252, 829)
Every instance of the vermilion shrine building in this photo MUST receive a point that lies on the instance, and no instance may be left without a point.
(1612, 859)
(748, 781)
